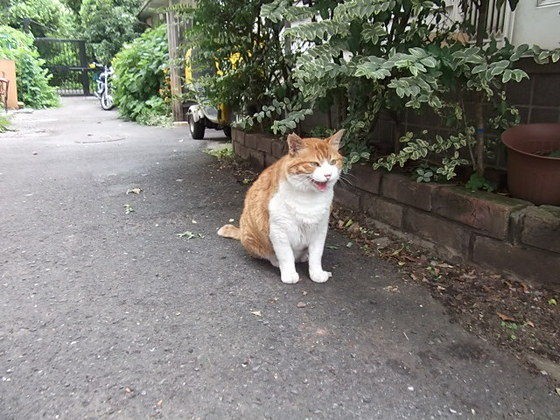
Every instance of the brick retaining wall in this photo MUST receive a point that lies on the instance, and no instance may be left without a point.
(503, 233)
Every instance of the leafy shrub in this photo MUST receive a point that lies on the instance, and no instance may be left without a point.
(107, 25)
(4, 123)
(398, 56)
(253, 65)
(32, 78)
(49, 17)
(141, 84)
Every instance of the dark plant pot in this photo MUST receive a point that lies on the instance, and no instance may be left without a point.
(532, 176)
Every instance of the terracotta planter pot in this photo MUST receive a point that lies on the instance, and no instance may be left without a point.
(533, 176)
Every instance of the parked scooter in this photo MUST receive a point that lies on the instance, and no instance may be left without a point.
(104, 90)
(201, 115)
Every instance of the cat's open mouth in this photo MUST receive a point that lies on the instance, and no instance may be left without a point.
(321, 186)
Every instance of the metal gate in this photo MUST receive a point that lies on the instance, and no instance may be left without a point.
(67, 61)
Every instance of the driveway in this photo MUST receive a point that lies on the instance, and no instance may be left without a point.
(106, 312)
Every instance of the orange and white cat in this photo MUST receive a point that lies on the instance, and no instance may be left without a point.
(286, 213)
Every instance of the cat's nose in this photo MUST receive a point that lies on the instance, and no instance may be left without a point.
(328, 176)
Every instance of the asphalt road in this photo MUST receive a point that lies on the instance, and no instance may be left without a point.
(109, 314)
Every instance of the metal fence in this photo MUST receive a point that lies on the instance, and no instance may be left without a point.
(67, 61)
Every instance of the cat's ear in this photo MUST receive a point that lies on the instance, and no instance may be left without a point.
(295, 143)
(334, 140)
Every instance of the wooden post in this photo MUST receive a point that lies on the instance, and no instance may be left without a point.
(174, 68)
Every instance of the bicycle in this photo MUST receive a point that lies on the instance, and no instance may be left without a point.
(104, 90)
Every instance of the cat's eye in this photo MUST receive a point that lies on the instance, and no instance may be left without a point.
(333, 161)
(316, 164)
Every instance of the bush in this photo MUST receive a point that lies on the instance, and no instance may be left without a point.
(399, 56)
(49, 17)
(32, 78)
(141, 85)
(4, 123)
(254, 66)
(108, 25)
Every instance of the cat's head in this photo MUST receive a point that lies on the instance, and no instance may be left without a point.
(314, 164)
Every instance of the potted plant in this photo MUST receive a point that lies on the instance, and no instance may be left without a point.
(534, 162)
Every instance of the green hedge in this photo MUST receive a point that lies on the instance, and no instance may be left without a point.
(32, 78)
(141, 88)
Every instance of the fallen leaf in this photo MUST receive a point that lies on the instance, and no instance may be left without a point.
(468, 276)
(504, 317)
(128, 209)
(256, 313)
(396, 252)
(190, 235)
(444, 265)
(332, 247)
(355, 228)
(348, 223)
(135, 190)
(392, 289)
(301, 305)
(552, 301)
(530, 323)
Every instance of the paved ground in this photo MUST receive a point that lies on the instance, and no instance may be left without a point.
(106, 313)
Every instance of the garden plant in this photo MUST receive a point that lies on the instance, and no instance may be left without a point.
(32, 78)
(366, 58)
(141, 83)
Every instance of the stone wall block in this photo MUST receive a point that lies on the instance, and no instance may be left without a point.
(251, 140)
(264, 144)
(240, 150)
(541, 228)
(269, 160)
(257, 159)
(279, 148)
(523, 262)
(488, 213)
(365, 178)
(347, 196)
(405, 190)
(454, 237)
(383, 210)
(237, 135)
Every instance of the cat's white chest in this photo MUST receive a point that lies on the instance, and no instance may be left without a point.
(299, 214)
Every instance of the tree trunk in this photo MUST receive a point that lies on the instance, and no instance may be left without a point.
(479, 106)
(174, 70)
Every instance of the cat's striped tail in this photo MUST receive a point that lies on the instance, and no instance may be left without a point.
(230, 231)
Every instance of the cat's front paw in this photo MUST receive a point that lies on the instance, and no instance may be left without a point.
(289, 277)
(320, 276)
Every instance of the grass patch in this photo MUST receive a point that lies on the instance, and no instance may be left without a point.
(223, 153)
(4, 123)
